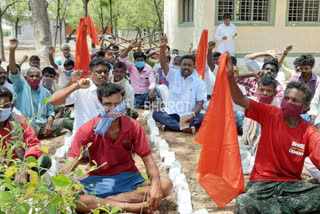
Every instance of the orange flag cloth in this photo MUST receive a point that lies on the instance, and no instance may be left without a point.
(219, 168)
(201, 57)
(82, 56)
(92, 31)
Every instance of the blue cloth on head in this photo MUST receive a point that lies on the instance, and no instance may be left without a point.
(106, 118)
(104, 186)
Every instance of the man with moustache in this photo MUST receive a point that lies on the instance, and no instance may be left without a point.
(83, 92)
(187, 94)
(119, 77)
(31, 98)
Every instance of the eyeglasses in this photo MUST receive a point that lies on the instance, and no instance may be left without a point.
(102, 71)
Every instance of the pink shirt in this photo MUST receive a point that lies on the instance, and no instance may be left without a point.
(142, 81)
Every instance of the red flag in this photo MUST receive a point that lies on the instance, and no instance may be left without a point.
(201, 57)
(219, 168)
(82, 57)
(92, 31)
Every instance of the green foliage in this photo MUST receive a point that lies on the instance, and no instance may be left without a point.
(6, 32)
(59, 194)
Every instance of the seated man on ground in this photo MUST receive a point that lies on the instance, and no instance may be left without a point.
(116, 183)
(10, 121)
(34, 61)
(119, 77)
(141, 76)
(187, 94)
(306, 64)
(64, 72)
(31, 98)
(66, 55)
(250, 79)
(267, 90)
(4, 80)
(286, 140)
(83, 92)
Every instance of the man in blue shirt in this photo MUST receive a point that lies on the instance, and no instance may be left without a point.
(32, 98)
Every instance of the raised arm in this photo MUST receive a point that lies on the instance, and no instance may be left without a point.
(284, 54)
(211, 64)
(52, 62)
(24, 59)
(139, 45)
(132, 45)
(190, 48)
(274, 53)
(163, 57)
(236, 94)
(13, 44)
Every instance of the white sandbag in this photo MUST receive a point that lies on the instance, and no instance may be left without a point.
(169, 158)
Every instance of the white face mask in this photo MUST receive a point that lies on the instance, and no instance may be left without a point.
(5, 114)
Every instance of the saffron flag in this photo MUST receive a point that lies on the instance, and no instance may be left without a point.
(201, 57)
(82, 56)
(219, 168)
(92, 31)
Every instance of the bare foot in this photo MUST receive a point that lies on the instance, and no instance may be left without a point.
(191, 130)
(163, 128)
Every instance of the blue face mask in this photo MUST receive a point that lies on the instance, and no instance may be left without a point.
(68, 73)
(140, 64)
(5, 114)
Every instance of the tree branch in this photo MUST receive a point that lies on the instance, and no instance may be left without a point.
(6, 8)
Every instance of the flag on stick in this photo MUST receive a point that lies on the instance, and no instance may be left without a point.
(201, 57)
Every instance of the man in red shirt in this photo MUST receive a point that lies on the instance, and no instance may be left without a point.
(7, 119)
(114, 137)
(286, 140)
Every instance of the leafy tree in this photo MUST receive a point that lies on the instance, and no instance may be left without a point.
(4, 6)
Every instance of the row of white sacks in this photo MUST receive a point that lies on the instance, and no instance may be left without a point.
(180, 185)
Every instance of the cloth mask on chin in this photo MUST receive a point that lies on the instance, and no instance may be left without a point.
(290, 109)
(266, 100)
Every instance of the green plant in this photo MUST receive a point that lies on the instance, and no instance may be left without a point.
(58, 194)
(6, 32)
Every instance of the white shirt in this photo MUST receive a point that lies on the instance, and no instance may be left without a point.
(210, 78)
(63, 79)
(228, 44)
(184, 93)
(84, 105)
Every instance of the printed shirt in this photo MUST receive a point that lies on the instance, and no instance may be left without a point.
(162, 78)
(251, 86)
(282, 150)
(117, 154)
(313, 83)
(29, 136)
(142, 81)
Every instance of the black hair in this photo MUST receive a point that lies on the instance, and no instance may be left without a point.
(34, 58)
(189, 57)
(175, 50)
(107, 89)
(0, 61)
(101, 54)
(120, 65)
(297, 61)
(270, 59)
(139, 54)
(234, 60)
(148, 51)
(68, 63)
(177, 58)
(98, 61)
(302, 87)
(271, 63)
(216, 54)
(48, 70)
(306, 60)
(168, 58)
(268, 80)
(115, 48)
(5, 92)
(226, 16)
(168, 48)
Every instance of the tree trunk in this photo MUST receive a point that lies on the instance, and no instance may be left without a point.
(85, 8)
(110, 6)
(3, 58)
(57, 24)
(60, 33)
(16, 27)
(158, 13)
(41, 29)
